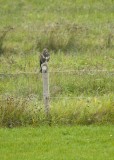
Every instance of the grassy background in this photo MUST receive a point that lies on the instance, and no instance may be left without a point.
(80, 37)
(68, 26)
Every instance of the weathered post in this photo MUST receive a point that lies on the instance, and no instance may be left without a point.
(45, 77)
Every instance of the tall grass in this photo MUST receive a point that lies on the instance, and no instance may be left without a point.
(84, 111)
(19, 112)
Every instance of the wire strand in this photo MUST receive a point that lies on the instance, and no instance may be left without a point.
(58, 71)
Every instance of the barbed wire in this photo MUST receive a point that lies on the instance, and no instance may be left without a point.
(3, 97)
(59, 71)
(70, 97)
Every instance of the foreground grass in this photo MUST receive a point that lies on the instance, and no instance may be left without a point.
(69, 143)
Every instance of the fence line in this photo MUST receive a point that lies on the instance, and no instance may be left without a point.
(51, 97)
(59, 71)
(69, 97)
(90, 71)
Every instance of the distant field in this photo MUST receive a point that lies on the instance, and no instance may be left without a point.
(80, 39)
(69, 143)
(69, 26)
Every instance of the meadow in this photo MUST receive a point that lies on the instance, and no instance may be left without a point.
(80, 39)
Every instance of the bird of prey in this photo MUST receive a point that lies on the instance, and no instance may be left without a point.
(44, 57)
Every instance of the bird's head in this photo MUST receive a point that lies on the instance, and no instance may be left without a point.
(45, 50)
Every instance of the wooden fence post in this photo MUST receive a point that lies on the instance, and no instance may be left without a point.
(45, 77)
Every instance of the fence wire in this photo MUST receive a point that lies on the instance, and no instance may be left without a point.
(88, 71)
(63, 84)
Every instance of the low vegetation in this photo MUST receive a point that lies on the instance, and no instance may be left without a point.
(68, 111)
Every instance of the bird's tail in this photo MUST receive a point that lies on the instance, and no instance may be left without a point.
(40, 70)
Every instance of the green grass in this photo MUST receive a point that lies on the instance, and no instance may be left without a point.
(68, 26)
(69, 143)
(63, 111)
(93, 76)
(79, 36)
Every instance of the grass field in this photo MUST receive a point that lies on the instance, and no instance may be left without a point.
(80, 37)
(69, 143)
